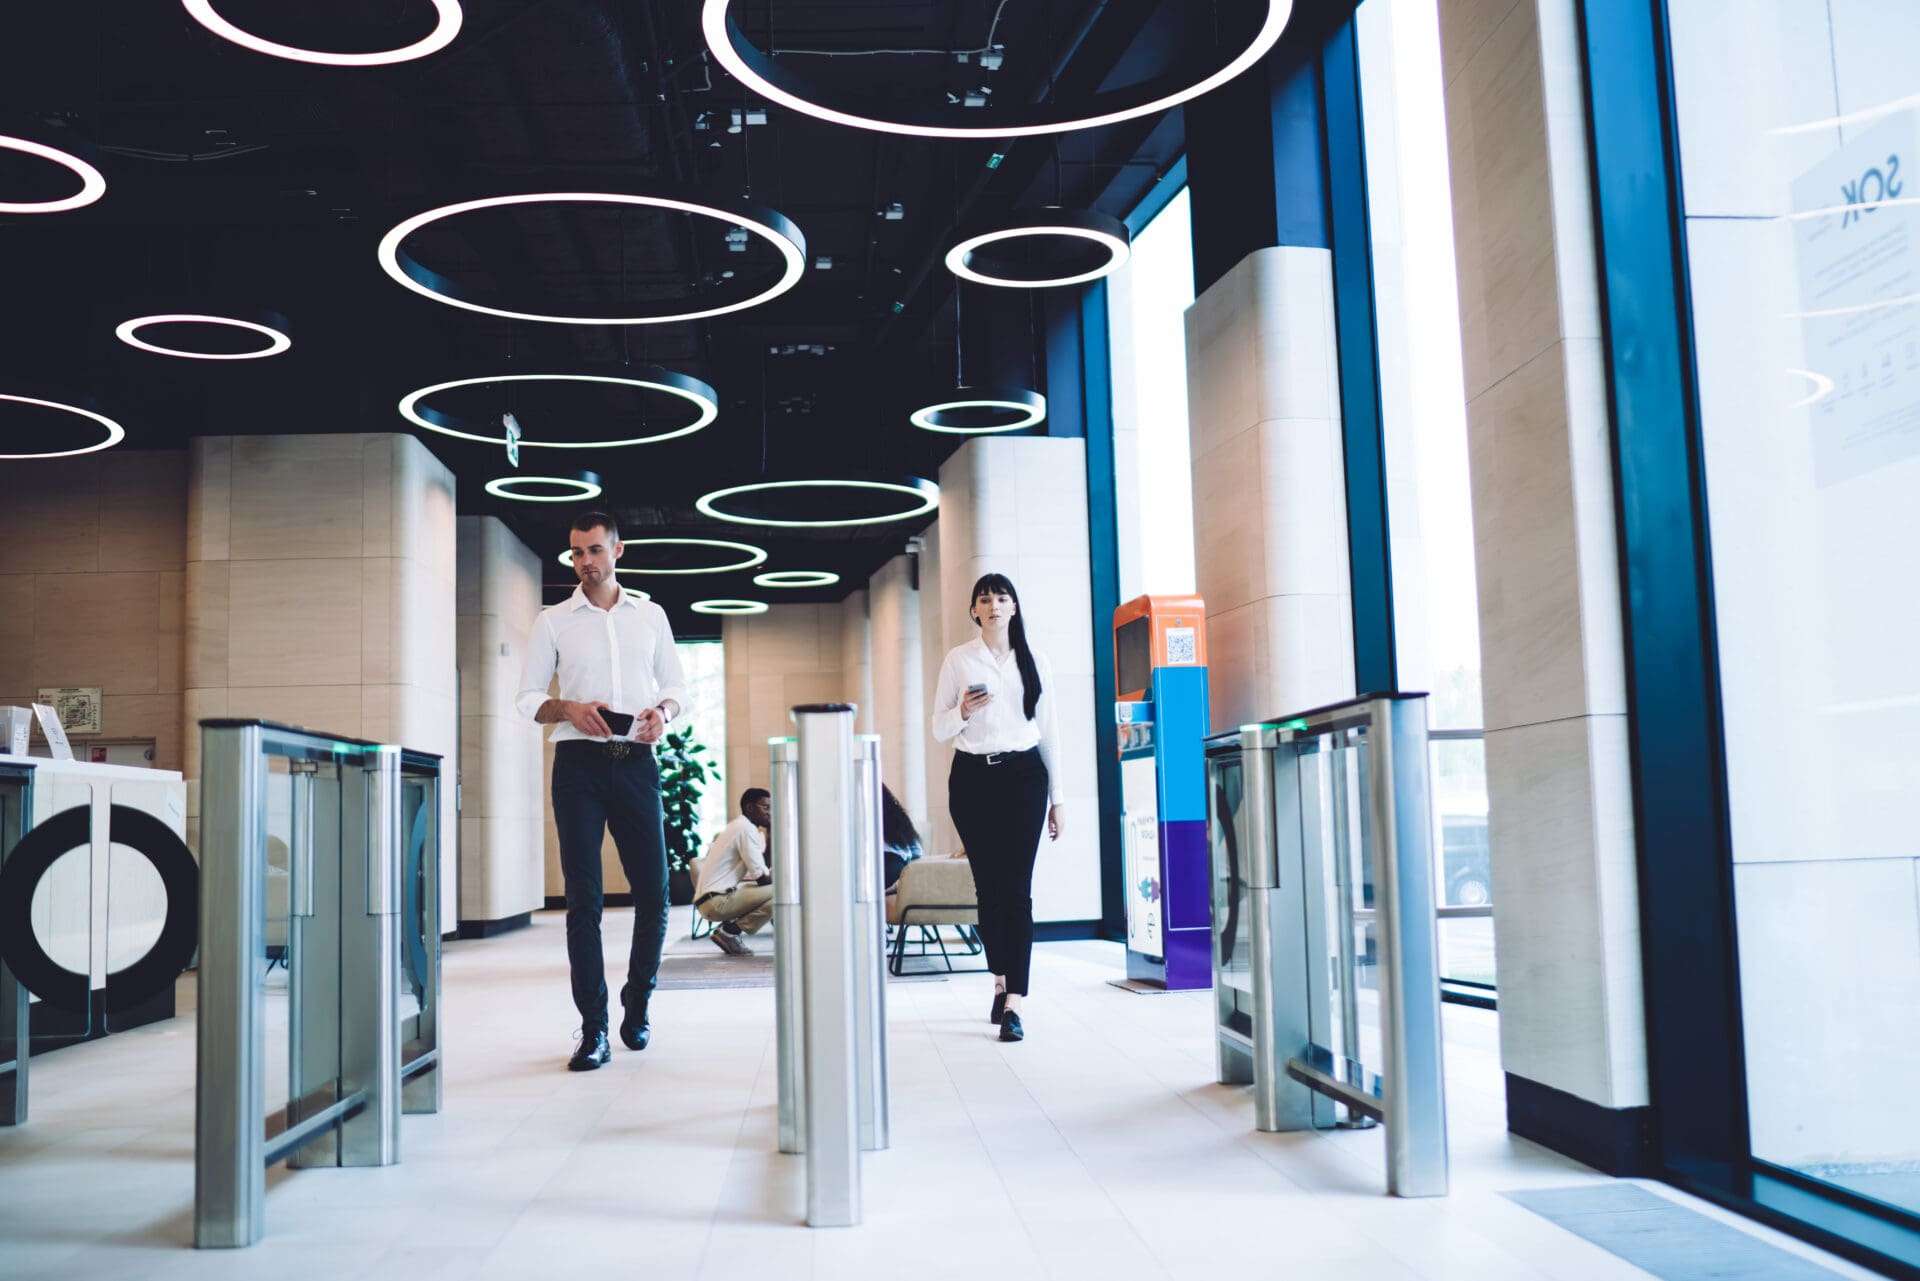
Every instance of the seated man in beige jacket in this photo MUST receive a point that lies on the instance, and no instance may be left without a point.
(736, 889)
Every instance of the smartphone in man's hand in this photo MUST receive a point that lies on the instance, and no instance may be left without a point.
(621, 723)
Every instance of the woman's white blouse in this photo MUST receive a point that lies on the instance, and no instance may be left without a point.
(1002, 725)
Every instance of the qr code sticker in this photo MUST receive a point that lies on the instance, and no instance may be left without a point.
(1180, 647)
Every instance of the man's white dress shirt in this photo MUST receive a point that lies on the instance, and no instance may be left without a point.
(623, 657)
(1002, 725)
(737, 856)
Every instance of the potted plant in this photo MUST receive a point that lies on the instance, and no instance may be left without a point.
(684, 774)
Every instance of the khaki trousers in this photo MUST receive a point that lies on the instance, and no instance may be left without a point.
(748, 906)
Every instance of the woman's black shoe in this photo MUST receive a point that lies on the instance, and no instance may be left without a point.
(1010, 1029)
(999, 1007)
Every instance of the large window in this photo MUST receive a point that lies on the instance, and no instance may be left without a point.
(1424, 428)
(705, 665)
(1799, 130)
(1147, 303)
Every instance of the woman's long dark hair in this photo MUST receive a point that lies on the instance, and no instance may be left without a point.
(897, 831)
(1001, 585)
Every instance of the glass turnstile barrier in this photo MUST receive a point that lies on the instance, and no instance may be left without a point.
(319, 969)
(1326, 976)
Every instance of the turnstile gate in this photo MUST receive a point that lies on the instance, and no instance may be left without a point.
(319, 977)
(1323, 904)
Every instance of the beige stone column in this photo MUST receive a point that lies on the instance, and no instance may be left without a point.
(1269, 489)
(1018, 506)
(501, 856)
(789, 655)
(320, 592)
(1560, 820)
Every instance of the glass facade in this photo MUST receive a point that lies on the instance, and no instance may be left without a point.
(1799, 129)
(1424, 429)
(1147, 303)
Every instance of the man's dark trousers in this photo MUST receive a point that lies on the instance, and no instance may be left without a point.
(592, 793)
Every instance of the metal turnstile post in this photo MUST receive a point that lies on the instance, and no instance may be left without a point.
(370, 962)
(1415, 1099)
(229, 1155)
(870, 953)
(829, 981)
(784, 849)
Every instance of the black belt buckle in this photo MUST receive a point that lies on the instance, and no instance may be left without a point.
(619, 748)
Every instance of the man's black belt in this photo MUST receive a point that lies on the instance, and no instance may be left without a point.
(616, 748)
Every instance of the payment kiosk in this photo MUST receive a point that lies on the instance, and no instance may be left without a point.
(1160, 670)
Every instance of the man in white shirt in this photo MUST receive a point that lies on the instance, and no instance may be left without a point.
(612, 650)
(736, 888)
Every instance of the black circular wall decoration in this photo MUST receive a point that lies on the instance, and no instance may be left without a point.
(40, 849)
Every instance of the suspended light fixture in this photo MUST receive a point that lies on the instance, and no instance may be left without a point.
(93, 184)
(734, 293)
(753, 555)
(447, 19)
(729, 607)
(761, 76)
(77, 406)
(573, 487)
(650, 378)
(796, 578)
(269, 325)
(985, 255)
(924, 492)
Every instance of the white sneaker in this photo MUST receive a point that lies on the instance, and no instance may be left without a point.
(731, 944)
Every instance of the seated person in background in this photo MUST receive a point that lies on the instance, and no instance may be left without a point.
(736, 889)
(899, 842)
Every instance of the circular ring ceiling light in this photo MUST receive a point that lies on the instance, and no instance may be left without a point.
(448, 17)
(796, 578)
(271, 326)
(654, 379)
(974, 256)
(955, 414)
(761, 75)
(93, 184)
(925, 491)
(766, 224)
(754, 555)
(734, 607)
(115, 432)
(573, 488)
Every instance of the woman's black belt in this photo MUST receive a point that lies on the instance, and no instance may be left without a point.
(1001, 758)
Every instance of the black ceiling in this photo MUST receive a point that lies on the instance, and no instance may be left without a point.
(236, 179)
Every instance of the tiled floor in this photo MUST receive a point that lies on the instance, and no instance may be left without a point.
(1099, 1148)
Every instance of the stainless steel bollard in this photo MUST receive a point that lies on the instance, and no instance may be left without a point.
(1415, 1099)
(870, 956)
(784, 849)
(370, 962)
(229, 1155)
(829, 980)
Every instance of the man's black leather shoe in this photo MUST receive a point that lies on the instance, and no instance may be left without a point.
(1010, 1029)
(635, 1030)
(593, 1052)
(999, 1007)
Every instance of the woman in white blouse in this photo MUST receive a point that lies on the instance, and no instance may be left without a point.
(995, 700)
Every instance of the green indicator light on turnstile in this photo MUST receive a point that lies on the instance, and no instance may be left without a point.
(1251, 728)
(1297, 723)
